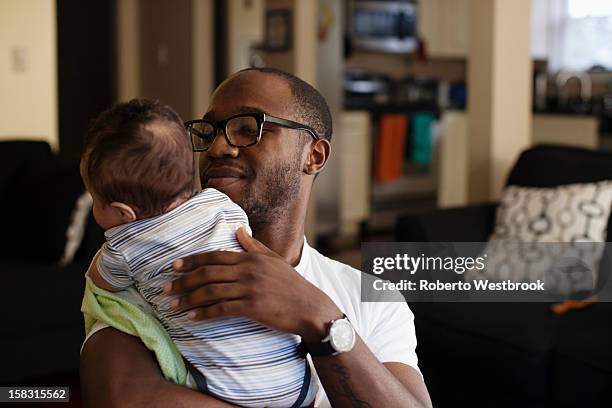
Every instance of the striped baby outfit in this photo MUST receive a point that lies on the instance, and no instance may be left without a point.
(242, 362)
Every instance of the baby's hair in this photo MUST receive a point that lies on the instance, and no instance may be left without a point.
(138, 153)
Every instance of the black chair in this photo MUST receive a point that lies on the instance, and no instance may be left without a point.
(520, 354)
(42, 328)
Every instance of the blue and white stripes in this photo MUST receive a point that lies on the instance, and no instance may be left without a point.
(244, 362)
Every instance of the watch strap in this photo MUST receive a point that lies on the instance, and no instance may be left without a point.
(317, 349)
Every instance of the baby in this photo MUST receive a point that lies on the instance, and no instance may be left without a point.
(138, 167)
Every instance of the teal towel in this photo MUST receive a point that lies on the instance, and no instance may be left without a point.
(421, 138)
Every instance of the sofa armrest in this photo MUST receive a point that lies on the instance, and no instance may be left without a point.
(462, 224)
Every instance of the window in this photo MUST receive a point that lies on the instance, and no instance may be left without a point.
(581, 34)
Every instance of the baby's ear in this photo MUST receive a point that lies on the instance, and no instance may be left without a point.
(126, 212)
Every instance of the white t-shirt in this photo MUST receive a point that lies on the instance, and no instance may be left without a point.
(387, 328)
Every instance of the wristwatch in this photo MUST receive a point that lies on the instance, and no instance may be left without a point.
(340, 338)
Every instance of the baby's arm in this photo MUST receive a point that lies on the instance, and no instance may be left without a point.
(96, 278)
(109, 270)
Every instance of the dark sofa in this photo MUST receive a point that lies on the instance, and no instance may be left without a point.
(520, 354)
(42, 326)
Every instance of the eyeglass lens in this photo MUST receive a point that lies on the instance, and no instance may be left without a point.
(241, 131)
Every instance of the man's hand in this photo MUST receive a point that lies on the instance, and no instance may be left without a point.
(257, 284)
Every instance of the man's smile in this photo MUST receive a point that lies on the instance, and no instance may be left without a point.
(222, 177)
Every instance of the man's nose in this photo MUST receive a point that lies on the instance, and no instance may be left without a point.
(221, 148)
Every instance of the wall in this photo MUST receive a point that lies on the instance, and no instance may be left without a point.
(166, 53)
(499, 93)
(330, 69)
(85, 69)
(245, 29)
(128, 43)
(202, 56)
(28, 71)
(190, 40)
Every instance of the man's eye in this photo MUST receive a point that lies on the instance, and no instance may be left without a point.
(204, 135)
(246, 130)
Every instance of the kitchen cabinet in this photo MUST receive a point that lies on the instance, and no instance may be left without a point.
(443, 26)
(353, 140)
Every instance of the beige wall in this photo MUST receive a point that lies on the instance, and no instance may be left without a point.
(128, 46)
(166, 53)
(499, 92)
(166, 58)
(28, 71)
(202, 49)
(245, 29)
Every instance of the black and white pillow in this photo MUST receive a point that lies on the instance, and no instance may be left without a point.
(76, 229)
(576, 215)
(575, 212)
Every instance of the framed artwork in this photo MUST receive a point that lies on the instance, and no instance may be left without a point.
(278, 30)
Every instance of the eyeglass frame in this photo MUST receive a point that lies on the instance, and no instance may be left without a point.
(260, 117)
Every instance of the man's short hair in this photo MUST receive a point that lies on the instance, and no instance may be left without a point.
(138, 153)
(311, 107)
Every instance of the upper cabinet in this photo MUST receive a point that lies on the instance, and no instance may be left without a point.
(443, 26)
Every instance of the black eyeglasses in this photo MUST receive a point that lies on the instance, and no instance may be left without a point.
(240, 130)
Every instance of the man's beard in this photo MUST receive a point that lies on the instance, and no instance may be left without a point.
(280, 187)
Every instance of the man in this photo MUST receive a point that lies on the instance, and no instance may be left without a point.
(279, 280)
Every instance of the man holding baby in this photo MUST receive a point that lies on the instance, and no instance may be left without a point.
(362, 354)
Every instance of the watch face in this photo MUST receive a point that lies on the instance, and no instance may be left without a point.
(342, 335)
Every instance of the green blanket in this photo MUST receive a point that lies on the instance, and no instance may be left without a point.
(128, 312)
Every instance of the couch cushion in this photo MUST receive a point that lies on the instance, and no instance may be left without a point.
(15, 156)
(551, 166)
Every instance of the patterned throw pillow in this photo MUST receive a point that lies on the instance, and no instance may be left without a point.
(575, 215)
(575, 212)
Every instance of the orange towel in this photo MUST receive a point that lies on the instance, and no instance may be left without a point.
(389, 162)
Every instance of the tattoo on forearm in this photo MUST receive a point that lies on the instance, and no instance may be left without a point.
(345, 387)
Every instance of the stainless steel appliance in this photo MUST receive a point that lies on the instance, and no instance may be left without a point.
(365, 90)
(388, 26)
(417, 92)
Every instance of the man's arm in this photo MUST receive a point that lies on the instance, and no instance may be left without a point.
(358, 379)
(117, 370)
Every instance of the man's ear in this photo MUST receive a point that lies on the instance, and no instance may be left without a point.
(126, 212)
(317, 156)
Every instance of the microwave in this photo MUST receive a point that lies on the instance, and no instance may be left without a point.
(383, 25)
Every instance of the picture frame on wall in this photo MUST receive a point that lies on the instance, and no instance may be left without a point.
(278, 30)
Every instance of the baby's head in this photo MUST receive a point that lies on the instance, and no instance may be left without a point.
(137, 162)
